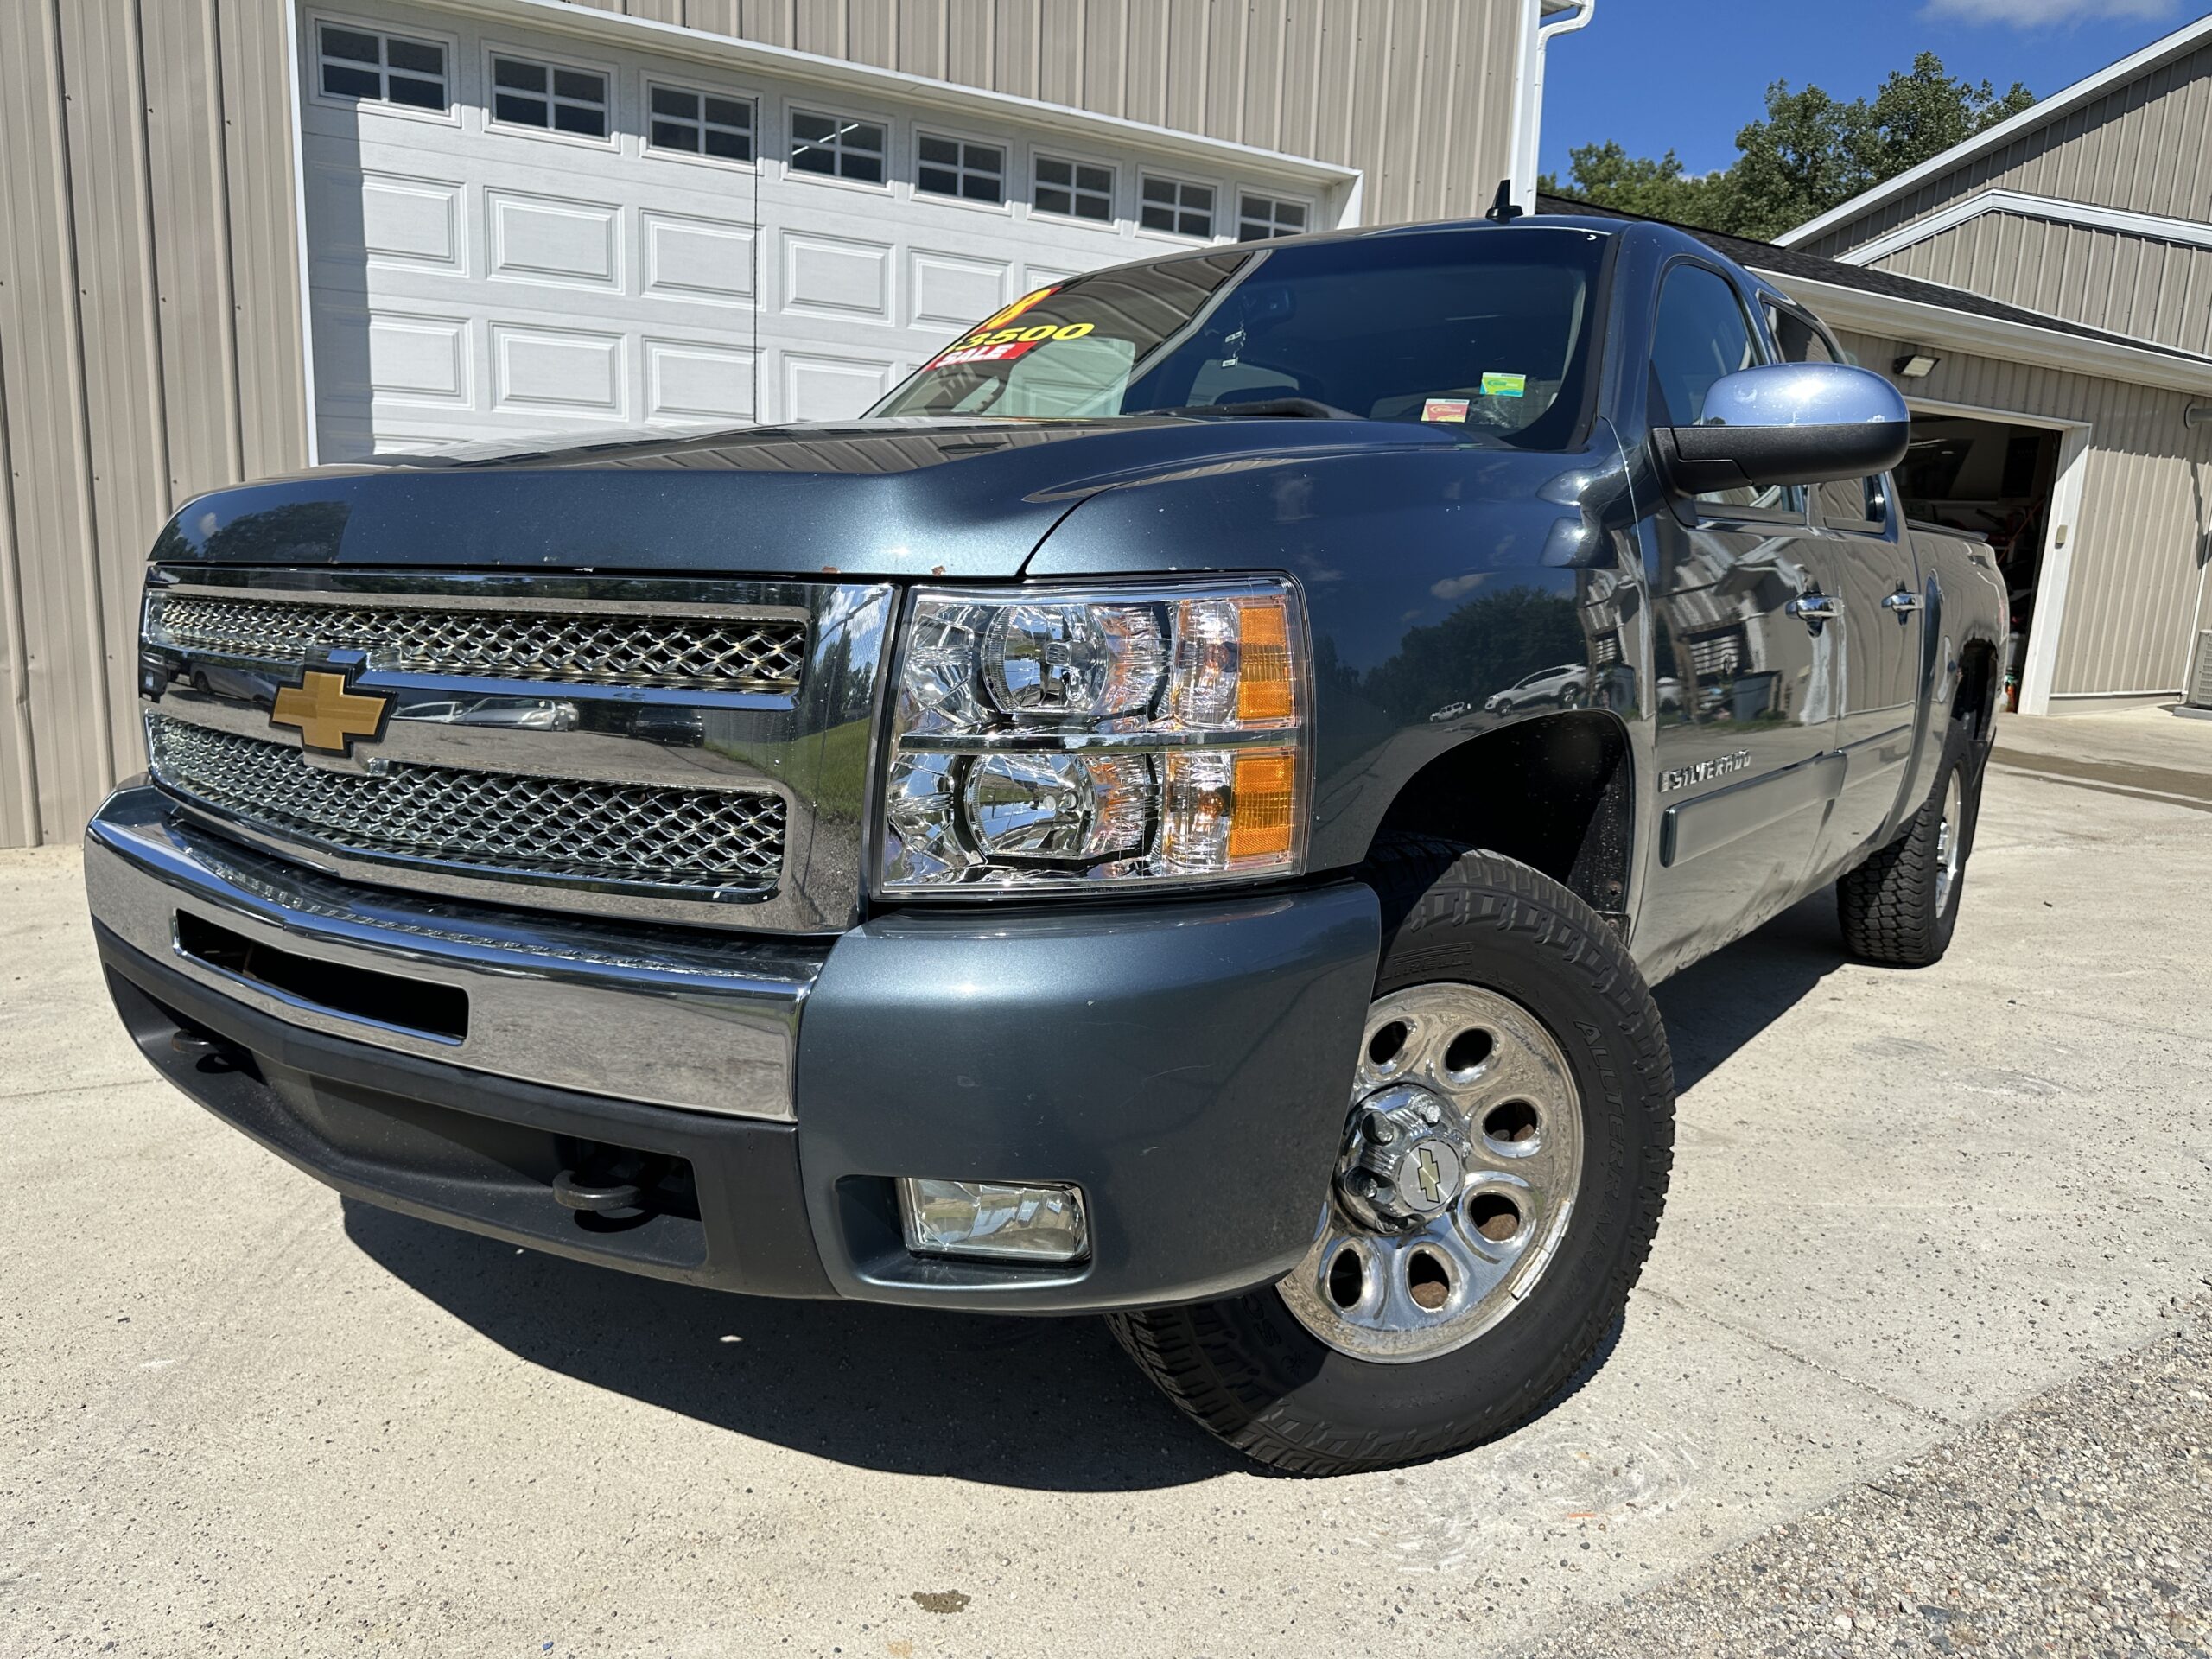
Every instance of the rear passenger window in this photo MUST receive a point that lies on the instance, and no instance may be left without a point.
(1703, 333)
(1845, 503)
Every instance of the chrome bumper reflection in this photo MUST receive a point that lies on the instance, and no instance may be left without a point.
(670, 1018)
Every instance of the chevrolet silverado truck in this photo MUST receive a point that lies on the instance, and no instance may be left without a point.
(998, 854)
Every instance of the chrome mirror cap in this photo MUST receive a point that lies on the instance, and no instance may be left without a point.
(1788, 423)
(1805, 394)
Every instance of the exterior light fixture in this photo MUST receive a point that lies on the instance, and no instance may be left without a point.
(1004, 1219)
(1917, 365)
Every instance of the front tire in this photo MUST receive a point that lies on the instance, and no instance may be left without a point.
(1509, 1021)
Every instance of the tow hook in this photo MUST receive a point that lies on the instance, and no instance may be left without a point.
(206, 1051)
(595, 1197)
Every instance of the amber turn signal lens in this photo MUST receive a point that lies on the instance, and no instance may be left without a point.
(1262, 805)
(1263, 682)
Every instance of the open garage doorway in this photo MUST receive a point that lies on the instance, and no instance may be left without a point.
(2007, 480)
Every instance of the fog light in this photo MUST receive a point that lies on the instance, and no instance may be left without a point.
(993, 1218)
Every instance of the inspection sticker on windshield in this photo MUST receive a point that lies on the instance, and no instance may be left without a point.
(1445, 408)
(1505, 386)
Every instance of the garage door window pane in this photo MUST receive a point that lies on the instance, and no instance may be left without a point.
(837, 147)
(1178, 206)
(528, 94)
(1259, 218)
(585, 120)
(352, 44)
(699, 124)
(1075, 188)
(357, 64)
(341, 80)
(953, 167)
(416, 57)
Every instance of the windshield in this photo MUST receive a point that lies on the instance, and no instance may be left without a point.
(1485, 330)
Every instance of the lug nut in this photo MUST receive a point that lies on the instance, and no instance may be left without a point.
(1378, 1128)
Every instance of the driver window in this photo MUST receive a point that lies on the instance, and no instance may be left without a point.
(1702, 334)
(1844, 504)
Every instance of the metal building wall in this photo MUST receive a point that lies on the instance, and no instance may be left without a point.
(2105, 279)
(2144, 536)
(149, 326)
(2140, 147)
(147, 287)
(1416, 94)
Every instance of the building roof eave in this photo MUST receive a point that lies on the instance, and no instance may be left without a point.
(1923, 324)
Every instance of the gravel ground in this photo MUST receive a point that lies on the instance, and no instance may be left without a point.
(2080, 1523)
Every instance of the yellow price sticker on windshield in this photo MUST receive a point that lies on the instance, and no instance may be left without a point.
(996, 345)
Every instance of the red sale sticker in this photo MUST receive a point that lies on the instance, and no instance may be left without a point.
(999, 353)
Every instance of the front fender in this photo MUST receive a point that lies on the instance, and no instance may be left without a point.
(1432, 577)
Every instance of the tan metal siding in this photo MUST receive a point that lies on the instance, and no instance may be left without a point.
(1418, 94)
(58, 685)
(2146, 523)
(2107, 279)
(2140, 147)
(149, 345)
(263, 239)
(149, 286)
(113, 201)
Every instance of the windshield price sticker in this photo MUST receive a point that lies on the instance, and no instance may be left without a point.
(988, 346)
(1003, 352)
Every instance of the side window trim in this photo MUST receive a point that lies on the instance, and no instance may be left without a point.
(1885, 487)
(1702, 509)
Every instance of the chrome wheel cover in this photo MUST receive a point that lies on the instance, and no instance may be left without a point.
(1397, 1296)
(1949, 840)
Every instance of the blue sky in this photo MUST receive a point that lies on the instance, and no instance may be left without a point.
(1684, 74)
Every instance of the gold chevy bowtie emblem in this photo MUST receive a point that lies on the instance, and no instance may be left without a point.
(327, 714)
(1432, 1179)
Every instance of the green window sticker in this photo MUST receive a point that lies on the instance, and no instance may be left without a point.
(1505, 386)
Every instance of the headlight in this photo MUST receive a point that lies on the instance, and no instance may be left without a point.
(1124, 736)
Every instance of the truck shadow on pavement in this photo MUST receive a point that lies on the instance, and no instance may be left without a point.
(1715, 1006)
(1046, 1403)
(1049, 1404)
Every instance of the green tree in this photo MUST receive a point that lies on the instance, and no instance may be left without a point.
(1812, 152)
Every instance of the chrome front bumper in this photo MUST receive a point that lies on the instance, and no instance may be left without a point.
(662, 1016)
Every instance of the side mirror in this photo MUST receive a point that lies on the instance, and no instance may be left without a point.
(1787, 423)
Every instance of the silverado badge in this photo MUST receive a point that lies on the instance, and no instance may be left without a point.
(328, 713)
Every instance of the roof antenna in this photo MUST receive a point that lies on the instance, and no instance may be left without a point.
(1502, 210)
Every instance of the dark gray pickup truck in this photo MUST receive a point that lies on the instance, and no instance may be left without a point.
(1174, 814)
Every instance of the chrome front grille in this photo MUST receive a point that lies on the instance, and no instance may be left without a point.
(692, 840)
(580, 647)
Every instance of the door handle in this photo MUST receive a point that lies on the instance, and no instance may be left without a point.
(1814, 609)
(1903, 603)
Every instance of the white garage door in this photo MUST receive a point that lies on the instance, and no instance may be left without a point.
(510, 233)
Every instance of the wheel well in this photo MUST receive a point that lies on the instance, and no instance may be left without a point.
(1975, 701)
(1556, 793)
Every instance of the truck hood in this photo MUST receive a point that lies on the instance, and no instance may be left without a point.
(876, 498)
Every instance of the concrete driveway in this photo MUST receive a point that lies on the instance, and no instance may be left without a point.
(238, 1416)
